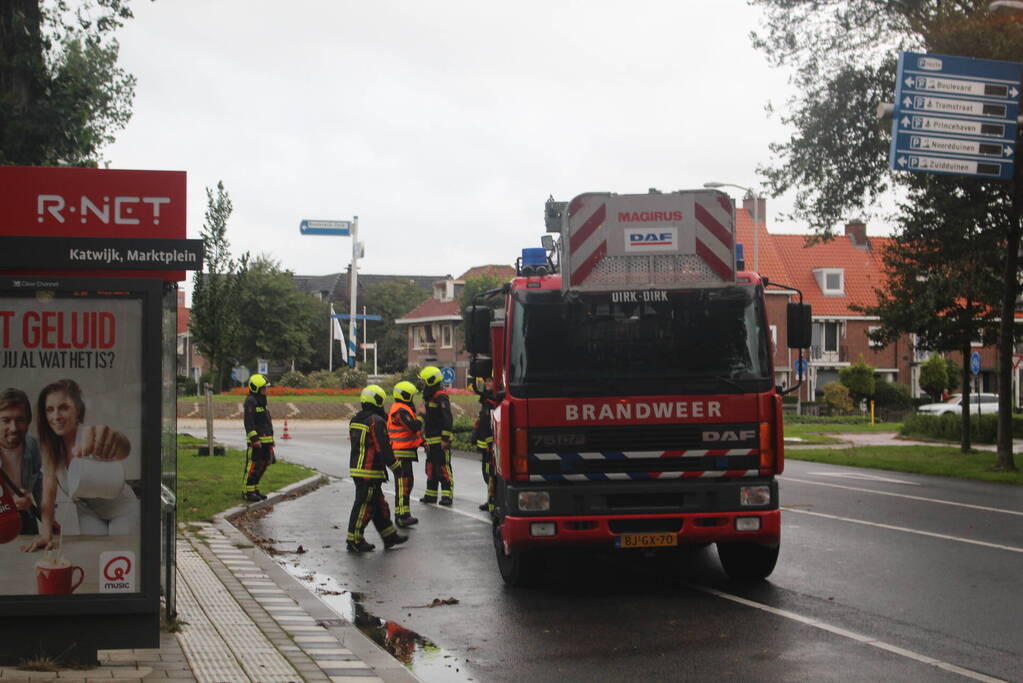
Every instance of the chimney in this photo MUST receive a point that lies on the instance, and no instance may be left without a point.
(761, 213)
(857, 232)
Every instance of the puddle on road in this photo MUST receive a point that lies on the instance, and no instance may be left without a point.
(420, 655)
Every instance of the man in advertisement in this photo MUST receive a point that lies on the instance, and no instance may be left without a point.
(22, 466)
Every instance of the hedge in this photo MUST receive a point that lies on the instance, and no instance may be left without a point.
(983, 428)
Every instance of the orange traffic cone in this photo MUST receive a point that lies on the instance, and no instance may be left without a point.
(285, 435)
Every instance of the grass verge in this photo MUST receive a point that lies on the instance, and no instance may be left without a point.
(944, 461)
(208, 485)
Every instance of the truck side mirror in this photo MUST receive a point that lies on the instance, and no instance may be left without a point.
(799, 325)
(477, 331)
(481, 367)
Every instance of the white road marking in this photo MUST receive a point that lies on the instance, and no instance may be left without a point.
(852, 635)
(867, 477)
(907, 530)
(905, 495)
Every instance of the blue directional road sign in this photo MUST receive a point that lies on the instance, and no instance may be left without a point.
(975, 362)
(955, 115)
(449, 375)
(801, 367)
(311, 227)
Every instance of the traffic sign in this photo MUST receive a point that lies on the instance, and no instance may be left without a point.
(312, 227)
(240, 373)
(801, 367)
(449, 375)
(975, 362)
(955, 115)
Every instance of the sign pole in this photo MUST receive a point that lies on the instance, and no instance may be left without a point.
(353, 286)
(330, 344)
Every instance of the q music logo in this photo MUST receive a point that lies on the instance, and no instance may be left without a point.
(117, 571)
(651, 239)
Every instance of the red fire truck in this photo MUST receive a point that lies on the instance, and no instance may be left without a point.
(637, 406)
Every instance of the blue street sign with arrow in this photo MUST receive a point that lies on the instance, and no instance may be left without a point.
(975, 362)
(955, 115)
(311, 227)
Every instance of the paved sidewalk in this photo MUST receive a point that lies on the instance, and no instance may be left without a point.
(245, 619)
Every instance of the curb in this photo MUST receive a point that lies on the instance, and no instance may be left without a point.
(362, 646)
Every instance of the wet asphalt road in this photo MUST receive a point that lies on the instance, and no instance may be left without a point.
(882, 575)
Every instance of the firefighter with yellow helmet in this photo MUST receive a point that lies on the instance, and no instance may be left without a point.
(259, 433)
(371, 455)
(437, 432)
(406, 434)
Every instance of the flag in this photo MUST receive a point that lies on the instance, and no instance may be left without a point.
(338, 334)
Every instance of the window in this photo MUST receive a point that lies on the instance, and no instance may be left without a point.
(774, 339)
(423, 336)
(445, 336)
(871, 330)
(830, 280)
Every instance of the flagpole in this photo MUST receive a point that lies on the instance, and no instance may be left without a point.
(330, 337)
(353, 285)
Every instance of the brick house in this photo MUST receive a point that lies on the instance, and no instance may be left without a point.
(833, 277)
(435, 334)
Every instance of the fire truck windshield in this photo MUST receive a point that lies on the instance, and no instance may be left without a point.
(710, 340)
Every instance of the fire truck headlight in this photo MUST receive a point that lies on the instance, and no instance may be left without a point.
(754, 495)
(542, 529)
(747, 524)
(534, 501)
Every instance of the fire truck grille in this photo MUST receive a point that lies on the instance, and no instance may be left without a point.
(648, 452)
(661, 270)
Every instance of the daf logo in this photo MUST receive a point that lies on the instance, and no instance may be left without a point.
(729, 435)
(650, 238)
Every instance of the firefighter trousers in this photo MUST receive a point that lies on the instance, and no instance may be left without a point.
(487, 465)
(403, 480)
(439, 480)
(258, 459)
(370, 504)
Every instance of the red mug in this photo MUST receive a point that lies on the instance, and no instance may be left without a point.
(59, 579)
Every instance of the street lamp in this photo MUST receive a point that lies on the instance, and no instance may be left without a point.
(756, 218)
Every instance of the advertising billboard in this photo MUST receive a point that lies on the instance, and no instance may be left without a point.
(77, 400)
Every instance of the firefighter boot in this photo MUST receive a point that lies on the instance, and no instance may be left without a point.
(251, 497)
(393, 540)
(360, 547)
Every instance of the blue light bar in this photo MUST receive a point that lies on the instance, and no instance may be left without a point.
(740, 260)
(534, 256)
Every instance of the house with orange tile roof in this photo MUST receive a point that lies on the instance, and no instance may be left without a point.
(834, 276)
(435, 333)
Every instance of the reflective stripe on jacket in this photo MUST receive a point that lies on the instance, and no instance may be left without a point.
(438, 415)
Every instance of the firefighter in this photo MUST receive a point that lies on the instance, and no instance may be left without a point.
(483, 436)
(259, 432)
(406, 434)
(371, 455)
(437, 433)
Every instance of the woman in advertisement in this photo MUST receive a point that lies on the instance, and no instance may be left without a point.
(83, 479)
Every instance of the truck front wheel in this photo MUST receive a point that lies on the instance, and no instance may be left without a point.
(518, 568)
(748, 561)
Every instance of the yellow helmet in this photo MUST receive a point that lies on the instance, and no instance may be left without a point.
(257, 382)
(431, 375)
(404, 391)
(373, 395)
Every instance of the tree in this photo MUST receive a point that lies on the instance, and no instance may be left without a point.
(275, 319)
(843, 55)
(858, 378)
(62, 95)
(392, 300)
(214, 318)
(837, 399)
(934, 377)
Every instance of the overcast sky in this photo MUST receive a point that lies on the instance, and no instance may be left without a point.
(443, 125)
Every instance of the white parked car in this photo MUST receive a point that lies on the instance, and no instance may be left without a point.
(988, 403)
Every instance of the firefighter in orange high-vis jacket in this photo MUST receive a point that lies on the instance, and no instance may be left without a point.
(371, 455)
(406, 434)
(259, 432)
(437, 433)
